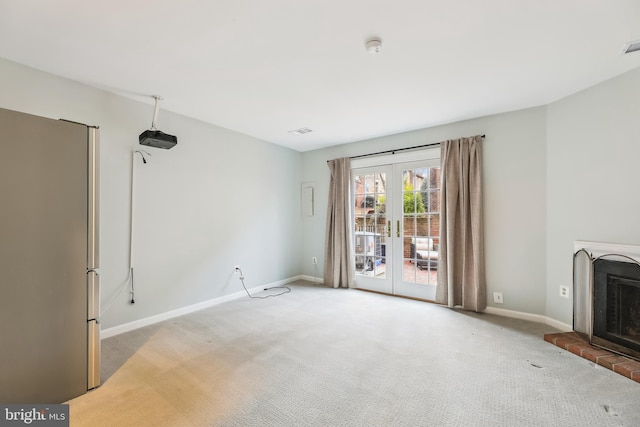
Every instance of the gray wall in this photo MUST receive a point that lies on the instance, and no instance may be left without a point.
(216, 200)
(593, 175)
(514, 199)
(221, 198)
(552, 175)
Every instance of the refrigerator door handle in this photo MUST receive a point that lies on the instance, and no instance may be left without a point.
(93, 295)
(93, 366)
(93, 244)
(93, 261)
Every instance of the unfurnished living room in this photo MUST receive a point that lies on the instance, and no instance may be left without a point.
(319, 213)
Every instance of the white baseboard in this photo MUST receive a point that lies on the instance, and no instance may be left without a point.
(130, 326)
(313, 279)
(493, 310)
(531, 317)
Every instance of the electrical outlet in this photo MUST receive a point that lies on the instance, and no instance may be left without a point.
(314, 260)
(497, 298)
(564, 291)
(236, 269)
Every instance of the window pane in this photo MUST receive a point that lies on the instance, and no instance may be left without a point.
(434, 225)
(381, 225)
(422, 227)
(408, 271)
(406, 178)
(432, 202)
(421, 179)
(409, 225)
(358, 184)
(381, 183)
(380, 268)
(408, 250)
(434, 177)
(369, 184)
(422, 275)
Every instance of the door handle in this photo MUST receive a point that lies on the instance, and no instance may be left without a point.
(398, 228)
(389, 228)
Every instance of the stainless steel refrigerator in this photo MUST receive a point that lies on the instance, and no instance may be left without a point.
(49, 283)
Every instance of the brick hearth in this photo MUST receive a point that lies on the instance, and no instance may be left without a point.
(572, 342)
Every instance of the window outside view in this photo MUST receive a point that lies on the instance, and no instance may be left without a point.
(421, 222)
(370, 225)
(372, 233)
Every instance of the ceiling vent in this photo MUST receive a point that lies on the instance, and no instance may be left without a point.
(631, 47)
(300, 131)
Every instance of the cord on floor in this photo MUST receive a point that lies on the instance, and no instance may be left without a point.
(286, 289)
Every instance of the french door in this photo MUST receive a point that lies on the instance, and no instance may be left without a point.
(396, 227)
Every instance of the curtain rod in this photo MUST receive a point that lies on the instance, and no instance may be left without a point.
(397, 149)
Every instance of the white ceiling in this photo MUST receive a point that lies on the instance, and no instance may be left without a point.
(266, 67)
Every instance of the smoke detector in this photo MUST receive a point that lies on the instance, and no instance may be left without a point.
(374, 46)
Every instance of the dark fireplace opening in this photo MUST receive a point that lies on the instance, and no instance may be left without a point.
(616, 306)
(623, 299)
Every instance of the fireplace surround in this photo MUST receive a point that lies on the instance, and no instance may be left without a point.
(606, 282)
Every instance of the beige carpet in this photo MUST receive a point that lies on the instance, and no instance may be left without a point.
(334, 357)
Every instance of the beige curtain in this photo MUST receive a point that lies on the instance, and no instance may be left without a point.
(461, 273)
(338, 266)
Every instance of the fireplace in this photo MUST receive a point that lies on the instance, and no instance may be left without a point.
(616, 306)
(606, 296)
